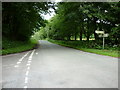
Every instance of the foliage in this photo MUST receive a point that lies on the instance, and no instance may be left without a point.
(10, 46)
(88, 47)
(82, 19)
(20, 20)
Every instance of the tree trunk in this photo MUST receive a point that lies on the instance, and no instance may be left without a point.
(81, 30)
(88, 36)
(88, 27)
(96, 36)
(80, 36)
(75, 36)
(68, 38)
(95, 28)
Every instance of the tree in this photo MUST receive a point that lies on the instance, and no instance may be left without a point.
(21, 20)
(83, 19)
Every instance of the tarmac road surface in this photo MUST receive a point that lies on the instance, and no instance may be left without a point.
(54, 66)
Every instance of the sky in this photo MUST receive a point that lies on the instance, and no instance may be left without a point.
(49, 15)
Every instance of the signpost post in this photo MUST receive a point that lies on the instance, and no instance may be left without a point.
(103, 42)
(102, 34)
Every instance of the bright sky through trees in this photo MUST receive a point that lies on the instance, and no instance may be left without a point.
(49, 15)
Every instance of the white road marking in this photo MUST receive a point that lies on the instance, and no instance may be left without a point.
(16, 66)
(26, 79)
(28, 64)
(28, 68)
(20, 60)
(36, 53)
(27, 72)
(29, 61)
(25, 86)
(30, 57)
(24, 56)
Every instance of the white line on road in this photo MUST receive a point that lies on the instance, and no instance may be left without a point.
(16, 66)
(26, 79)
(25, 86)
(28, 64)
(29, 61)
(27, 72)
(28, 68)
(23, 57)
(20, 60)
(30, 57)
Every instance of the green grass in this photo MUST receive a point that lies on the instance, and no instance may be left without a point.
(9, 47)
(91, 47)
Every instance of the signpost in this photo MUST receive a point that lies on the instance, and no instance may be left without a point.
(102, 34)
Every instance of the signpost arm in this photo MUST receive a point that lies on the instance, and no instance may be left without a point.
(102, 35)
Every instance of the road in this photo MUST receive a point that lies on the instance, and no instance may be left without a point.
(54, 66)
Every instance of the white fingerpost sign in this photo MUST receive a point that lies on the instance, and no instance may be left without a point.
(99, 32)
(102, 34)
(105, 35)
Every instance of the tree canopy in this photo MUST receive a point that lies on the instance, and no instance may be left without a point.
(21, 19)
(78, 19)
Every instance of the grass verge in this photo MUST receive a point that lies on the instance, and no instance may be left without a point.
(10, 47)
(84, 47)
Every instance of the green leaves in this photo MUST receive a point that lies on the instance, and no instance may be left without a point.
(21, 19)
(74, 20)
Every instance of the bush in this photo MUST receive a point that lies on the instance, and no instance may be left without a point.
(9, 46)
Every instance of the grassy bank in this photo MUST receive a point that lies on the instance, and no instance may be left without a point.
(9, 47)
(91, 47)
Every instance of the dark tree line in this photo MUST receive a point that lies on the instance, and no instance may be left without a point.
(73, 20)
(20, 20)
